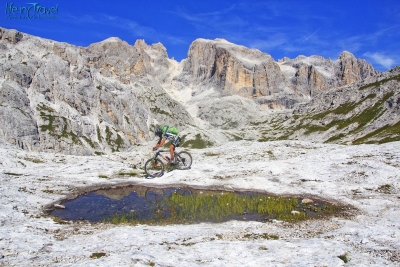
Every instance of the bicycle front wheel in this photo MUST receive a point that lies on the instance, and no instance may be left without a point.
(183, 160)
(154, 167)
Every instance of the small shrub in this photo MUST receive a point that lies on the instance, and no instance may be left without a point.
(129, 173)
(59, 220)
(385, 189)
(271, 154)
(13, 174)
(97, 255)
(34, 160)
(268, 236)
(121, 219)
(344, 258)
(48, 191)
(211, 154)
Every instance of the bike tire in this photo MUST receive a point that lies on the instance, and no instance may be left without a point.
(154, 167)
(183, 160)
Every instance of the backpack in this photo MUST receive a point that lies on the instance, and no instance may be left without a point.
(167, 129)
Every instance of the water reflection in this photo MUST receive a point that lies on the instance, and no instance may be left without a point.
(141, 204)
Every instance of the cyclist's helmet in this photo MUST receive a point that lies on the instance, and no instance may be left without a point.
(158, 132)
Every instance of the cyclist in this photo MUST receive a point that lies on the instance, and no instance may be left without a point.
(171, 134)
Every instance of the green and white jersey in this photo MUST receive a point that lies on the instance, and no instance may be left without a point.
(169, 132)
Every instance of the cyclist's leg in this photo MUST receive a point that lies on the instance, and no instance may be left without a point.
(172, 151)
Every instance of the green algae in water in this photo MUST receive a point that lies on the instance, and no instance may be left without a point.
(142, 205)
(215, 206)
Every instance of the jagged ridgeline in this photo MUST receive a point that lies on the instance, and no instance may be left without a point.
(109, 96)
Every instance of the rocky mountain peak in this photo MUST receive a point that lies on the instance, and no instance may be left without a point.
(349, 69)
(222, 40)
(110, 95)
(346, 54)
(108, 45)
(284, 59)
(233, 68)
(112, 40)
(160, 48)
(314, 74)
(11, 36)
(141, 44)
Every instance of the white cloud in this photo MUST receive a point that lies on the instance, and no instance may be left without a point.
(381, 59)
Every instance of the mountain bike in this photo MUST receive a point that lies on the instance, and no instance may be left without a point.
(154, 167)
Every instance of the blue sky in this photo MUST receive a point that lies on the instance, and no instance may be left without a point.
(368, 29)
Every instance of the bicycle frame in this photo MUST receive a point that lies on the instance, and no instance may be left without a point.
(158, 153)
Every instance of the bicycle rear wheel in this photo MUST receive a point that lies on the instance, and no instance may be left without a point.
(154, 167)
(183, 160)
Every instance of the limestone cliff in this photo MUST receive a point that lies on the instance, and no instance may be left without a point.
(233, 69)
(103, 98)
(312, 75)
(110, 95)
(237, 70)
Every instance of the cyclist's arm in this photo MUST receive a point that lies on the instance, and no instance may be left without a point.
(159, 140)
(160, 143)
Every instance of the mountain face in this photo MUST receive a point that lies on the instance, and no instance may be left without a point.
(237, 70)
(367, 111)
(233, 69)
(110, 95)
(102, 98)
(311, 75)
